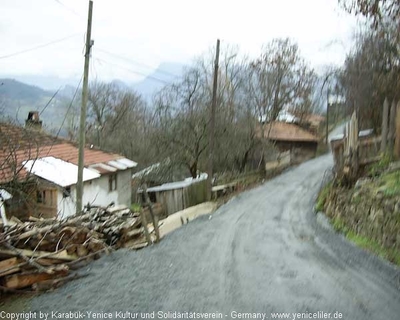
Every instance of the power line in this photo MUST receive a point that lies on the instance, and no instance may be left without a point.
(65, 116)
(70, 106)
(38, 47)
(48, 103)
(133, 71)
(137, 63)
(69, 9)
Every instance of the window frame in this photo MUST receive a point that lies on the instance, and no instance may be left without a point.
(112, 182)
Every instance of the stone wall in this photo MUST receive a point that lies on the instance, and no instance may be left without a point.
(367, 212)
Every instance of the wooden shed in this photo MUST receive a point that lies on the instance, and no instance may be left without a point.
(176, 196)
(301, 143)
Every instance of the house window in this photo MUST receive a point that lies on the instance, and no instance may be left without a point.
(112, 182)
(40, 196)
(67, 192)
(44, 197)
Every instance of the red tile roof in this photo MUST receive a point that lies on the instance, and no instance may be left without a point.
(18, 144)
(282, 131)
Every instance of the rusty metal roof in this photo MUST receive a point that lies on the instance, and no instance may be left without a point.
(282, 131)
(18, 144)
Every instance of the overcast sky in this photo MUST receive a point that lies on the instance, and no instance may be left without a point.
(150, 32)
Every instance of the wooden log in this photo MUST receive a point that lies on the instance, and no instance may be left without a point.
(35, 231)
(137, 246)
(9, 266)
(81, 250)
(139, 243)
(55, 283)
(18, 281)
(71, 250)
(77, 263)
(61, 255)
(132, 233)
(19, 253)
(95, 245)
(49, 261)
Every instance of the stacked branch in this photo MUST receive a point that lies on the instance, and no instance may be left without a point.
(39, 254)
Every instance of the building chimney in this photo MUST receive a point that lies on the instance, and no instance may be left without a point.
(33, 121)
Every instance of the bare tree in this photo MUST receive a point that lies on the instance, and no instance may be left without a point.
(16, 145)
(279, 79)
(182, 120)
(380, 12)
(371, 74)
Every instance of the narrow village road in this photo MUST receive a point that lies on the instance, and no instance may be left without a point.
(265, 251)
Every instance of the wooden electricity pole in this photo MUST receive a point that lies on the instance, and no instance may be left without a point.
(82, 125)
(212, 124)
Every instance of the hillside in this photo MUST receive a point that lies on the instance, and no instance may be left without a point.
(11, 89)
(166, 73)
(17, 99)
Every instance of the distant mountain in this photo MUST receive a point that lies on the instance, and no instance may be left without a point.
(17, 99)
(120, 84)
(51, 83)
(23, 93)
(67, 91)
(12, 89)
(166, 73)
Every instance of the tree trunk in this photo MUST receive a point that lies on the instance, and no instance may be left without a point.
(244, 161)
(193, 170)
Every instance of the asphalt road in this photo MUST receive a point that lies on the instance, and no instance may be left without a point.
(265, 251)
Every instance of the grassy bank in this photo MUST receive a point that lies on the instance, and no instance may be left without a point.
(360, 211)
(368, 244)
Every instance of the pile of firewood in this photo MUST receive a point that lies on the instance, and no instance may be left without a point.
(39, 254)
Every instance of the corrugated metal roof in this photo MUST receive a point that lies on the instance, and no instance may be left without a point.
(4, 195)
(127, 162)
(58, 171)
(283, 116)
(361, 134)
(178, 185)
(102, 168)
(146, 171)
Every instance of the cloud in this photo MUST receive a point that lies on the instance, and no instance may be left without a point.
(154, 31)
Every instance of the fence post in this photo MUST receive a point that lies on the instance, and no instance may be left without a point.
(385, 117)
(392, 124)
(353, 145)
(153, 216)
(397, 141)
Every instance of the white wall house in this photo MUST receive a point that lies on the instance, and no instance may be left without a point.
(104, 183)
(52, 164)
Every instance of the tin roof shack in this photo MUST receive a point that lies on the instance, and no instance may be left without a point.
(41, 173)
(301, 143)
(176, 196)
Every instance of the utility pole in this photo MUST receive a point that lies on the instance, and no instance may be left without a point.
(212, 124)
(82, 125)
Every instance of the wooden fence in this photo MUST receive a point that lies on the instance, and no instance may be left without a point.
(282, 161)
(356, 149)
(179, 197)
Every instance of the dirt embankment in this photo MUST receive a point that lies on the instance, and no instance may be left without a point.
(369, 211)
